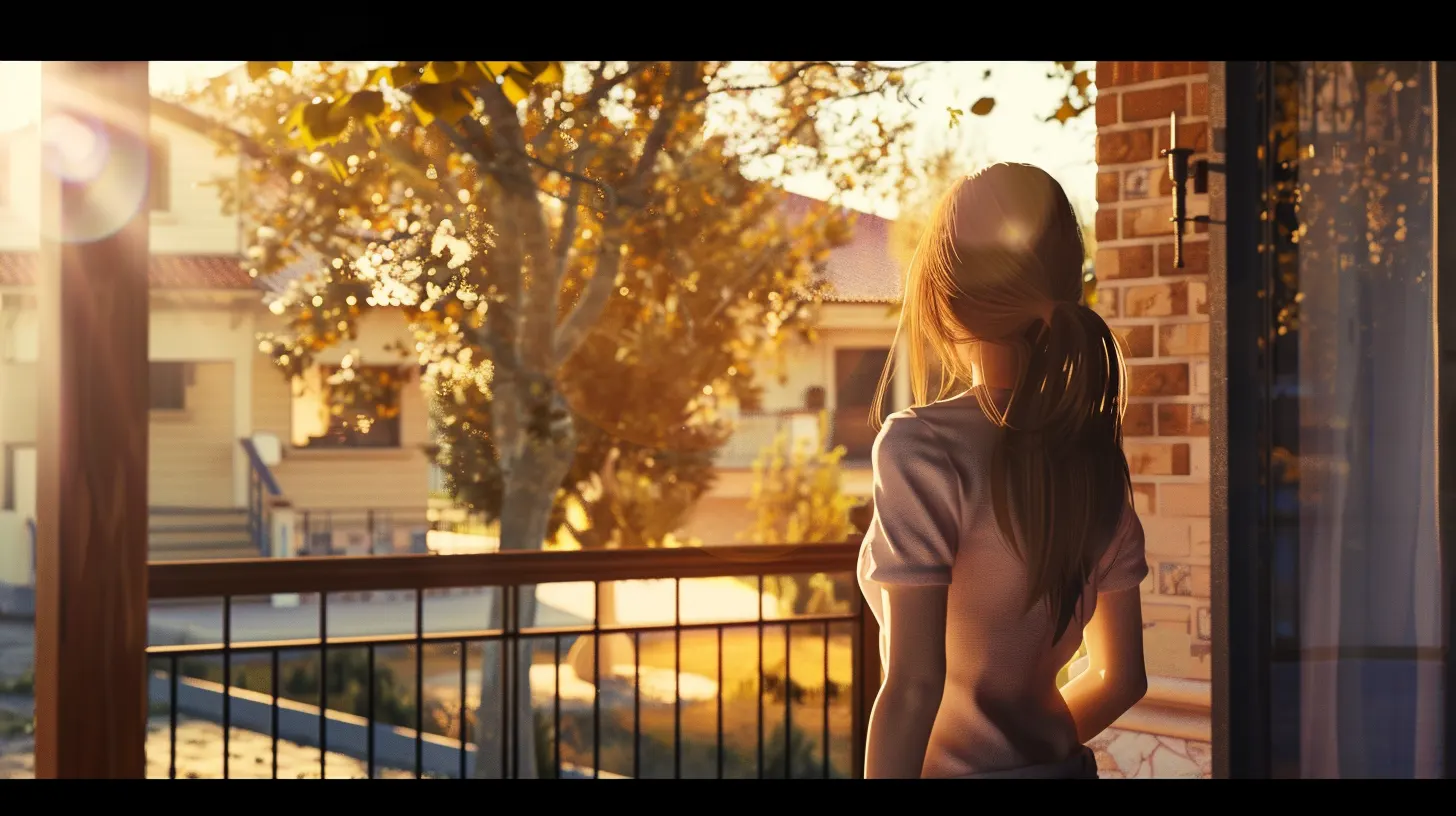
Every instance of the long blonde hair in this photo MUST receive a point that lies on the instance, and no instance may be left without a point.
(1001, 262)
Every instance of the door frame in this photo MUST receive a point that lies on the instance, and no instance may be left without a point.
(1242, 615)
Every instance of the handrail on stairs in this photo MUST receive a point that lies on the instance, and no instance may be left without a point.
(263, 489)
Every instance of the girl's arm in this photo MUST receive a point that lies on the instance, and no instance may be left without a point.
(1115, 679)
(909, 699)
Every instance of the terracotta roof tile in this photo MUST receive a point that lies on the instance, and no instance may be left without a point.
(863, 270)
(166, 271)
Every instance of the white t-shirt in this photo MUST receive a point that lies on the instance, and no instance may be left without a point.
(934, 524)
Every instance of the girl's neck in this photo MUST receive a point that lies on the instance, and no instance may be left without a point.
(992, 365)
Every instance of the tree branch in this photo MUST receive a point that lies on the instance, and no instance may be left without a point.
(577, 326)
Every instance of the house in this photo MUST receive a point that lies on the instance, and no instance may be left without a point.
(838, 373)
(218, 405)
(225, 425)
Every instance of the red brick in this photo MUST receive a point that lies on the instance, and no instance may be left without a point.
(1142, 71)
(1106, 303)
(1158, 379)
(1182, 339)
(1106, 109)
(1190, 134)
(1125, 146)
(1106, 74)
(1167, 70)
(1198, 98)
(1145, 498)
(1154, 103)
(1196, 68)
(1106, 225)
(1182, 419)
(1186, 500)
(1137, 341)
(1107, 187)
(1195, 257)
(1148, 221)
(1157, 458)
(1156, 300)
(1124, 262)
(1198, 297)
(1138, 420)
(1165, 183)
(1199, 227)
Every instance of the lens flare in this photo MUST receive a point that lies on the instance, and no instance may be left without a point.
(103, 174)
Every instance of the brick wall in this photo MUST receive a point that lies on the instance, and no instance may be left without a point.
(1161, 313)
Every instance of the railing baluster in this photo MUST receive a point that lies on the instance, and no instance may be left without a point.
(597, 679)
(720, 702)
(824, 738)
(556, 705)
(273, 709)
(507, 675)
(637, 705)
(419, 683)
(463, 722)
(369, 716)
(323, 697)
(760, 676)
(172, 718)
(677, 678)
(227, 685)
(788, 701)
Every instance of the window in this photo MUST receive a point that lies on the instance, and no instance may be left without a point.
(169, 383)
(159, 182)
(348, 406)
(856, 378)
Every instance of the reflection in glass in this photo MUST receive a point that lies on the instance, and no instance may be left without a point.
(1357, 678)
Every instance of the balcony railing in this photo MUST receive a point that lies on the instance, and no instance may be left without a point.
(713, 688)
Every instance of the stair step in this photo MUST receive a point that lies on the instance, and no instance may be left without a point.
(189, 529)
(243, 550)
(168, 510)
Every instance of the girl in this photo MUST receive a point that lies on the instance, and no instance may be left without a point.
(1004, 533)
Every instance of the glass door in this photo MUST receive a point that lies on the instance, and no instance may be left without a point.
(1344, 636)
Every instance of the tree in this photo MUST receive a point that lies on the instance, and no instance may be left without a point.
(798, 498)
(585, 264)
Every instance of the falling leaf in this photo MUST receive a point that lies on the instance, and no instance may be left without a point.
(955, 115)
(983, 106)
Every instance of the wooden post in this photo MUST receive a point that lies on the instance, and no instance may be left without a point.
(91, 580)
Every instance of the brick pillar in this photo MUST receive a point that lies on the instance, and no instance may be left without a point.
(1161, 313)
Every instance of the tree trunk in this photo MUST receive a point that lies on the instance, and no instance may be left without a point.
(530, 491)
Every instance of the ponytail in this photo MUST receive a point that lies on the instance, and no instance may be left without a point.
(1058, 468)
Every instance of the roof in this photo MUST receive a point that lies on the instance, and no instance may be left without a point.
(167, 272)
(862, 271)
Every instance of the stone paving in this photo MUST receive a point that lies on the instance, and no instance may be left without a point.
(1132, 755)
(199, 756)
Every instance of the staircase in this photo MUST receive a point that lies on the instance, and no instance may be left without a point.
(198, 534)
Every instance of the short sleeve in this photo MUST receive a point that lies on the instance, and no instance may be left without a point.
(1126, 564)
(917, 495)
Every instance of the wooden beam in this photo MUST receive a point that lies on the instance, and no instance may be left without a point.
(91, 579)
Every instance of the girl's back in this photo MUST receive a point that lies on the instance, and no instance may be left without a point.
(934, 524)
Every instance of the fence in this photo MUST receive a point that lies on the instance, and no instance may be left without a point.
(352, 711)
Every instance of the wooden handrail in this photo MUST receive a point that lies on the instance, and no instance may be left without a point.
(253, 577)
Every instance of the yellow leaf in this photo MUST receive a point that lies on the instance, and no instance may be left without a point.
(366, 103)
(983, 106)
(551, 72)
(495, 69)
(258, 70)
(441, 71)
(513, 90)
(955, 115)
(285, 67)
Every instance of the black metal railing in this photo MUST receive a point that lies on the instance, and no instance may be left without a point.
(350, 711)
(263, 490)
